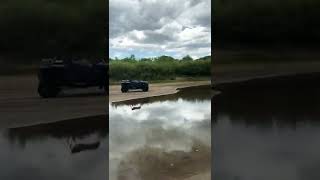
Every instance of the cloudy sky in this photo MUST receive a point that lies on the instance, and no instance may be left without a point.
(148, 28)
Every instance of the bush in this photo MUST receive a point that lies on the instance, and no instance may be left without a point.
(161, 68)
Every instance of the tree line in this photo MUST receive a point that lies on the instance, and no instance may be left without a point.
(266, 23)
(45, 28)
(159, 68)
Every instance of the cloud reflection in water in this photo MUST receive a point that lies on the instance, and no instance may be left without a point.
(164, 130)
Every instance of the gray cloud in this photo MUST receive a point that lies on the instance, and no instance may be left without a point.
(170, 25)
(155, 37)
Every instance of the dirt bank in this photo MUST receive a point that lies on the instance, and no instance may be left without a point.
(158, 89)
(170, 165)
(20, 104)
(229, 73)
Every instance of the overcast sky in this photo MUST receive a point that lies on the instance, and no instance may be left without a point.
(148, 28)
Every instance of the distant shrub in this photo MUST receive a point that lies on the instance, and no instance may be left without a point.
(161, 68)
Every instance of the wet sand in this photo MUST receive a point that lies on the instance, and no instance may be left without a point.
(175, 165)
(230, 73)
(159, 89)
(20, 105)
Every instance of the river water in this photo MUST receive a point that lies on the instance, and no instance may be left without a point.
(269, 132)
(258, 133)
(72, 149)
(168, 138)
(163, 138)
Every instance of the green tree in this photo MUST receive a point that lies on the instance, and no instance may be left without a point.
(187, 58)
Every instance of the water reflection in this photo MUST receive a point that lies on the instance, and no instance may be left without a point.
(56, 151)
(167, 138)
(269, 132)
(191, 94)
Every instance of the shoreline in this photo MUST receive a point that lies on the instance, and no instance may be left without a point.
(156, 90)
(22, 106)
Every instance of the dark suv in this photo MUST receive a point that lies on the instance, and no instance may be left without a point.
(55, 74)
(126, 85)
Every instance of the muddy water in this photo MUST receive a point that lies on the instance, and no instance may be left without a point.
(73, 149)
(163, 138)
(269, 132)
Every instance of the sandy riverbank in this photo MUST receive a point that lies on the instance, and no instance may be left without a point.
(158, 89)
(20, 104)
(230, 73)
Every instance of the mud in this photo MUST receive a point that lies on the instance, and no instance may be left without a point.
(156, 163)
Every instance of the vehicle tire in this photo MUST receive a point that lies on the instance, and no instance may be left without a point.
(47, 91)
(124, 90)
(106, 88)
(145, 89)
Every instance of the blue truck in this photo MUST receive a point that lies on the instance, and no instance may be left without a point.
(127, 85)
(54, 74)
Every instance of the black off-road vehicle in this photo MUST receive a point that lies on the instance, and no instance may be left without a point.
(126, 85)
(55, 74)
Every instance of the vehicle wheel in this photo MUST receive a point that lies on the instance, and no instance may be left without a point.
(145, 89)
(47, 91)
(106, 88)
(124, 90)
